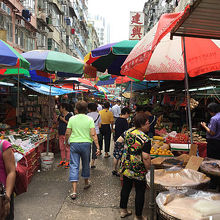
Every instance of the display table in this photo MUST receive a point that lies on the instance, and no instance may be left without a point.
(202, 149)
(33, 155)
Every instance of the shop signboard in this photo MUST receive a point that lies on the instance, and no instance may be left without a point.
(136, 26)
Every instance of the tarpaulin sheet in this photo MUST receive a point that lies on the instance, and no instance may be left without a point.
(45, 89)
(144, 85)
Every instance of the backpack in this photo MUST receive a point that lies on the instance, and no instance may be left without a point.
(21, 182)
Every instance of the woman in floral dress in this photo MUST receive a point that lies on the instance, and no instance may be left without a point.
(135, 164)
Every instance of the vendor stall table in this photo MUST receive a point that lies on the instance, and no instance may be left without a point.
(33, 155)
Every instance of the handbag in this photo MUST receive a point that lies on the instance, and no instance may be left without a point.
(2, 198)
(21, 182)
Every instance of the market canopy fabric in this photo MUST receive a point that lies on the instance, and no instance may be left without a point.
(53, 61)
(111, 56)
(45, 89)
(12, 72)
(106, 82)
(9, 57)
(201, 20)
(156, 57)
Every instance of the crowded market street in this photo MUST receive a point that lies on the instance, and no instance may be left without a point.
(48, 196)
(109, 110)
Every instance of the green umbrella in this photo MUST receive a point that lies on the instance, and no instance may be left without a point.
(111, 56)
(52, 61)
(7, 72)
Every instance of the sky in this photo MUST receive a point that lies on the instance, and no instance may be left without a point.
(117, 13)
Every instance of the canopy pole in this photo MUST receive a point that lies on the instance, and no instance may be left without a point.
(131, 93)
(49, 120)
(18, 97)
(187, 91)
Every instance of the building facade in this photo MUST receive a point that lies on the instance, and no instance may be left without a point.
(59, 25)
(102, 29)
(153, 9)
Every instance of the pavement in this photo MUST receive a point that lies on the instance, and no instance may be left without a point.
(48, 196)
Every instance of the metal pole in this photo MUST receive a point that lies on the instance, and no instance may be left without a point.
(187, 91)
(49, 121)
(152, 197)
(18, 96)
(131, 93)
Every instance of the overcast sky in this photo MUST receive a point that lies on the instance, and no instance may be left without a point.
(117, 14)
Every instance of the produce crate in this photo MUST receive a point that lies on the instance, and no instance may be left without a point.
(30, 153)
(29, 178)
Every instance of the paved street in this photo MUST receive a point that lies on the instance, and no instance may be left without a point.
(48, 196)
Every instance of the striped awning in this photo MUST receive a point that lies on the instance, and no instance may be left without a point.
(201, 20)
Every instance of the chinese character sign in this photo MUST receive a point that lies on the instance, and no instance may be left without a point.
(136, 30)
(136, 18)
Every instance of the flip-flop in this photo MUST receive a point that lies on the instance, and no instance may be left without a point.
(126, 214)
(106, 156)
(93, 167)
(73, 196)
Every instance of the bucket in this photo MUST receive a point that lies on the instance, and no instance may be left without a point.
(47, 161)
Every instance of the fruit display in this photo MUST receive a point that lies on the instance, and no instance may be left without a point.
(193, 103)
(159, 147)
(180, 138)
(160, 152)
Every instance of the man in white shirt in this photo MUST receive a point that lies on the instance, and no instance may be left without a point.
(99, 108)
(116, 110)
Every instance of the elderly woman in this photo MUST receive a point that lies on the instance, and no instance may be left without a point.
(135, 164)
(80, 133)
(7, 177)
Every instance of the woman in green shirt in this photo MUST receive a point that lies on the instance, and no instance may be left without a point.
(80, 133)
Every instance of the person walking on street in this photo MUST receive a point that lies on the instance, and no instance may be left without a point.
(92, 107)
(7, 178)
(107, 122)
(116, 110)
(121, 125)
(64, 147)
(80, 133)
(213, 137)
(135, 163)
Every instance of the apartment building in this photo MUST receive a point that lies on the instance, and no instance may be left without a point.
(153, 9)
(59, 25)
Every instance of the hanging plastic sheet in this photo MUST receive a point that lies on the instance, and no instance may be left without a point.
(45, 89)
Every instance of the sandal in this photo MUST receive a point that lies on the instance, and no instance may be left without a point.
(87, 186)
(106, 156)
(126, 214)
(73, 196)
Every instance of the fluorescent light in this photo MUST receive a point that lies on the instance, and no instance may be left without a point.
(6, 84)
(214, 79)
(192, 90)
(206, 88)
(32, 95)
(200, 89)
(170, 90)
